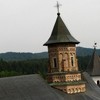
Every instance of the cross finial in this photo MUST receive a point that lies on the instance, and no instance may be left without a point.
(58, 5)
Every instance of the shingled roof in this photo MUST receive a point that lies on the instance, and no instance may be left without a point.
(33, 87)
(93, 67)
(60, 33)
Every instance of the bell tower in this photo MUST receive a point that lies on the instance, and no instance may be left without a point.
(63, 70)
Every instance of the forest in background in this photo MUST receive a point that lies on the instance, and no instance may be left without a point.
(33, 66)
(13, 64)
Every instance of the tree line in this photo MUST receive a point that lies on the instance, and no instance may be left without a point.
(13, 68)
(40, 66)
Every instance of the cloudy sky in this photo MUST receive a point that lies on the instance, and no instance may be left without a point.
(25, 25)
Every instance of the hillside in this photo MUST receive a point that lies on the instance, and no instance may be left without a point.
(24, 56)
(81, 51)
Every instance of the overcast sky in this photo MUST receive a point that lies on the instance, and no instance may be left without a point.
(25, 25)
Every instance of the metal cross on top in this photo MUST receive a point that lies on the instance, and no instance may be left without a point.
(58, 5)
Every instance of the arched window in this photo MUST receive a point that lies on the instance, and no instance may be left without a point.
(55, 62)
(72, 61)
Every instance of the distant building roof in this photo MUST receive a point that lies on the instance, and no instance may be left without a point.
(33, 87)
(93, 67)
(60, 33)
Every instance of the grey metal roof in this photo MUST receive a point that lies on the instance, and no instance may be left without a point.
(33, 87)
(93, 67)
(60, 34)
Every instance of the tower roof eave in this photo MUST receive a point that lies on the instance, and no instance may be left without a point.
(60, 34)
(61, 42)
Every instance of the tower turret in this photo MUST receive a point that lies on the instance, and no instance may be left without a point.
(63, 70)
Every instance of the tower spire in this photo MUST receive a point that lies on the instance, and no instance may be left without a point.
(58, 5)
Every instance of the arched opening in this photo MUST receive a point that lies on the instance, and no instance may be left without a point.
(79, 90)
(69, 91)
(55, 62)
